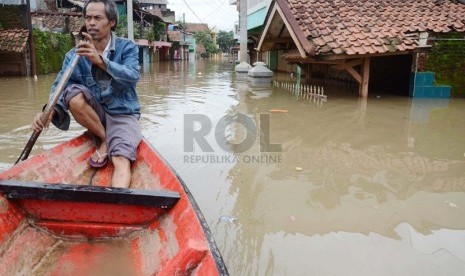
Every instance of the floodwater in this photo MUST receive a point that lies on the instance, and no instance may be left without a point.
(356, 187)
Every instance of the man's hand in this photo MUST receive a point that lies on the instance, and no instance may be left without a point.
(88, 50)
(38, 125)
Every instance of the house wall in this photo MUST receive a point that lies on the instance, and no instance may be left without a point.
(256, 13)
(12, 64)
(41, 5)
(12, 2)
(144, 55)
(13, 16)
(254, 5)
(191, 40)
(256, 18)
(283, 66)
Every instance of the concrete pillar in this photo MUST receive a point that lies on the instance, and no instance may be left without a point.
(260, 76)
(130, 20)
(243, 66)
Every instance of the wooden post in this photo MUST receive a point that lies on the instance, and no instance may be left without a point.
(362, 107)
(365, 78)
(32, 55)
(308, 74)
(359, 77)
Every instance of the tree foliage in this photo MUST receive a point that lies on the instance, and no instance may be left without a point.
(159, 30)
(225, 41)
(205, 38)
(122, 27)
(447, 60)
(50, 49)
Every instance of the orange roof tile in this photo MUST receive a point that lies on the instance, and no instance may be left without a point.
(196, 27)
(370, 26)
(13, 40)
(54, 20)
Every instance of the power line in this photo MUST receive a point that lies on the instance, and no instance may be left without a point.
(217, 8)
(193, 12)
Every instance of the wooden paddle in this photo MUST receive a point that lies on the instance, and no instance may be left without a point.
(45, 118)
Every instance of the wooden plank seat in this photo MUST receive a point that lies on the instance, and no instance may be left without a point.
(84, 193)
(90, 211)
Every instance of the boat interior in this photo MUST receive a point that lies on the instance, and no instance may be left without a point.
(59, 216)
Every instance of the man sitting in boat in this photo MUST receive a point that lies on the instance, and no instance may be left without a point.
(101, 92)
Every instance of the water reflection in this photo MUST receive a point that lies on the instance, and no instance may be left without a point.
(359, 176)
(381, 185)
(260, 92)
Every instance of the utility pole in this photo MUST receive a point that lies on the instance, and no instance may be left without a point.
(32, 56)
(184, 54)
(130, 20)
(243, 67)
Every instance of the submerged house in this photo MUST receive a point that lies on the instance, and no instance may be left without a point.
(181, 42)
(195, 46)
(15, 40)
(377, 42)
(19, 17)
(14, 52)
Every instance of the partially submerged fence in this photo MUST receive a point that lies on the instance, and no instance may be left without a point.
(303, 91)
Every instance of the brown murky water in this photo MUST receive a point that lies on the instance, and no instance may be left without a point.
(374, 187)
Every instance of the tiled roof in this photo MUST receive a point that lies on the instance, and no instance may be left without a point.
(164, 15)
(196, 27)
(168, 16)
(53, 21)
(174, 36)
(155, 11)
(354, 27)
(292, 54)
(13, 40)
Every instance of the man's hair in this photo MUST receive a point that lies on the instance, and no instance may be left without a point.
(110, 10)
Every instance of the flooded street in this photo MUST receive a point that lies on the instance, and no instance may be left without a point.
(359, 187)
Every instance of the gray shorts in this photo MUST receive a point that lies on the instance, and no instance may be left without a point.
(123, 131)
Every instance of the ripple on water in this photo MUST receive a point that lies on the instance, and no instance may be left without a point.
(368, 166)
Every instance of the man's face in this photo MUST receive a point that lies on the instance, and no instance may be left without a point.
(97, 23)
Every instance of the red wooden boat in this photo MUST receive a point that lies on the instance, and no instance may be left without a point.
(59, 217)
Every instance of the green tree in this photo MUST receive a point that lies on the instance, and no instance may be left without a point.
(50, 49)
(122, 27)
(447, 60)
(225, 40)
(159, 30)
(205, 38)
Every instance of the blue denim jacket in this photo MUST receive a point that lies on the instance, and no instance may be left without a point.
(114, 89)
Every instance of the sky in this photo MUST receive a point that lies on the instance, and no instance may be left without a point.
(216, 13)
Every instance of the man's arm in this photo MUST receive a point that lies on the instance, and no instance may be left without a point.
(127, 72)
(59, 116)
